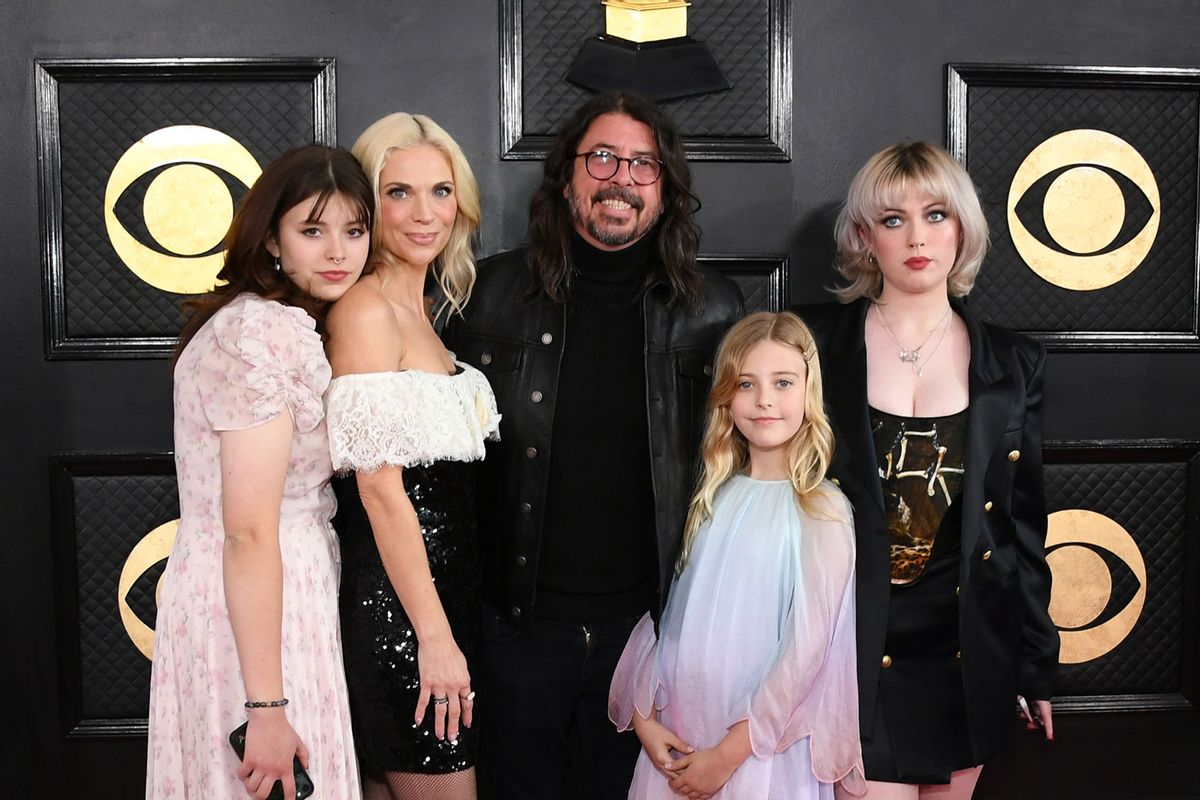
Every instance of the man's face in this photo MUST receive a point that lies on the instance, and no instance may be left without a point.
(614, 213)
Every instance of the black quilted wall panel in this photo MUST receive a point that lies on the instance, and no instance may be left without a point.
(1149, 500)
(1004, 123)
(762, 281)
(98, 122)
(112, 513)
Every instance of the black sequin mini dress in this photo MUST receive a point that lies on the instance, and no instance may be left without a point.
(432, 426)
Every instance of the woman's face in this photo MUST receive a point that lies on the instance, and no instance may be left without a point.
(915, 243)
(322, 257)
(417, 206)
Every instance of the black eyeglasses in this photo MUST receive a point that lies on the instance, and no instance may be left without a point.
(602, 165)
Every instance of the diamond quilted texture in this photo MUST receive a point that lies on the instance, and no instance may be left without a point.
(1005, 123)
(112, 514)
(756, 290)
(738, 34)
(98, 122)
(1149, 501)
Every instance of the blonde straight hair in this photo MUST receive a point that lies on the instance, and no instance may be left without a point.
(725, 452)
(454, 268)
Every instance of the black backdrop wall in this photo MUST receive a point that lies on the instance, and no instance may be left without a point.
(865, 73)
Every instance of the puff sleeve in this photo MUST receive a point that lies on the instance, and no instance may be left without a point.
(266, 357)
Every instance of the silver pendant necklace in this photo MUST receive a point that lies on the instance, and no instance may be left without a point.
(912, 356)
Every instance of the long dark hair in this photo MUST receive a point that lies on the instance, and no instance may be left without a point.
(550, 221)
(301, 173)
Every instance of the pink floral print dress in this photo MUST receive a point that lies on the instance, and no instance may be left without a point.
(255, 359)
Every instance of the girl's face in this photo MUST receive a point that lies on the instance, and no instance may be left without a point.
(417, 206)
(322, 257)
(768, 405)
(915, 242)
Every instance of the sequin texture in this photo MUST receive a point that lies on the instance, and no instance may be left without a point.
(380, 645)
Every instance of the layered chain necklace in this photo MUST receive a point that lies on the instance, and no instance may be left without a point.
(912, 356)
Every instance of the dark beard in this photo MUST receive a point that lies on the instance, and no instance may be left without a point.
(610, 236)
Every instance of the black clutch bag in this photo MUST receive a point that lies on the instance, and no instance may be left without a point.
(304, 784)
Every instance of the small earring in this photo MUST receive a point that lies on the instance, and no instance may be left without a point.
(278, 266)
(871, 258)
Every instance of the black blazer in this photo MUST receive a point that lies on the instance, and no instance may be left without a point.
(1008, 643)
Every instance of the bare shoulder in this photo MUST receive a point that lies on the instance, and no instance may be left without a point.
(362, 332)
(362, 309)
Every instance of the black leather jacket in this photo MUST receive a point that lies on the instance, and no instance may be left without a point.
(517, 340)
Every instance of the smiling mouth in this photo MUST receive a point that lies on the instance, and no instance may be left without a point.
(617, 199)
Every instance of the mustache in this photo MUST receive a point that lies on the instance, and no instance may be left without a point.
(618, 193)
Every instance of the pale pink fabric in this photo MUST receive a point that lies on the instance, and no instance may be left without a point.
(759, 626)
(255, 359)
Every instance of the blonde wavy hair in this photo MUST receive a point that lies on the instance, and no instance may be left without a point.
(725, 452)
(454, 268)
(881, 184)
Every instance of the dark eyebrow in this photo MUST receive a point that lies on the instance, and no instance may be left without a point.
(612, 148)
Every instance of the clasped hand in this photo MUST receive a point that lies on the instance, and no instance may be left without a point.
(697, 775)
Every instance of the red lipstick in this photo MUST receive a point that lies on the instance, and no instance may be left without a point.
(917, 262)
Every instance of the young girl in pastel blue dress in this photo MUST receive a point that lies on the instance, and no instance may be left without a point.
(749, 690)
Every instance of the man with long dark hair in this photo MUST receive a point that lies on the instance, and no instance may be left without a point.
(597, 337)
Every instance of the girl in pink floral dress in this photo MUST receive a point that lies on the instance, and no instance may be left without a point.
(247, 626)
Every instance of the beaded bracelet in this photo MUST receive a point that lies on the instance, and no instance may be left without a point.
(265, 703)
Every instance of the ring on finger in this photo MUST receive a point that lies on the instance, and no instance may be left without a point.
(440, 700)
(467, 696)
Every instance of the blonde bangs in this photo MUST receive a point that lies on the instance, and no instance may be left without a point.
(882, 183)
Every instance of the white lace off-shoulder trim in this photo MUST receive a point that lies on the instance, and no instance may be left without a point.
(382, 419)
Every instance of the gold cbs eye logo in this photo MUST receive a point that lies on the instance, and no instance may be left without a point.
(187, 174)
(153, 548)
(1092, 601)
(1083, 209)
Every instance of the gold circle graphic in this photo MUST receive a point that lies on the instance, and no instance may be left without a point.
(1094, 191)
(153, 548)
(187, 209)
(1082, 585)
(1081, 588)
(1083, 209)
(163, 147)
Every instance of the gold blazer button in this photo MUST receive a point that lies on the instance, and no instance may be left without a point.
(987, 506)
(886, 662)
(1014, 455)
(987, 554)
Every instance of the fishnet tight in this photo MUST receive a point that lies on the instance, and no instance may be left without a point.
(417, 786)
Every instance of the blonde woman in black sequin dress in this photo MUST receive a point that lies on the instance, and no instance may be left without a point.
(406, 420)
(937, 418)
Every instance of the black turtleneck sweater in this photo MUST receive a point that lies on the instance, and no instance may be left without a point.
(599, 557)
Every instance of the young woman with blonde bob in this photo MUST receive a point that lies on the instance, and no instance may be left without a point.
(938, 420)
(749, 690)
(406, 420)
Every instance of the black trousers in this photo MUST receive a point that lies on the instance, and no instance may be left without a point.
(544, 711)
